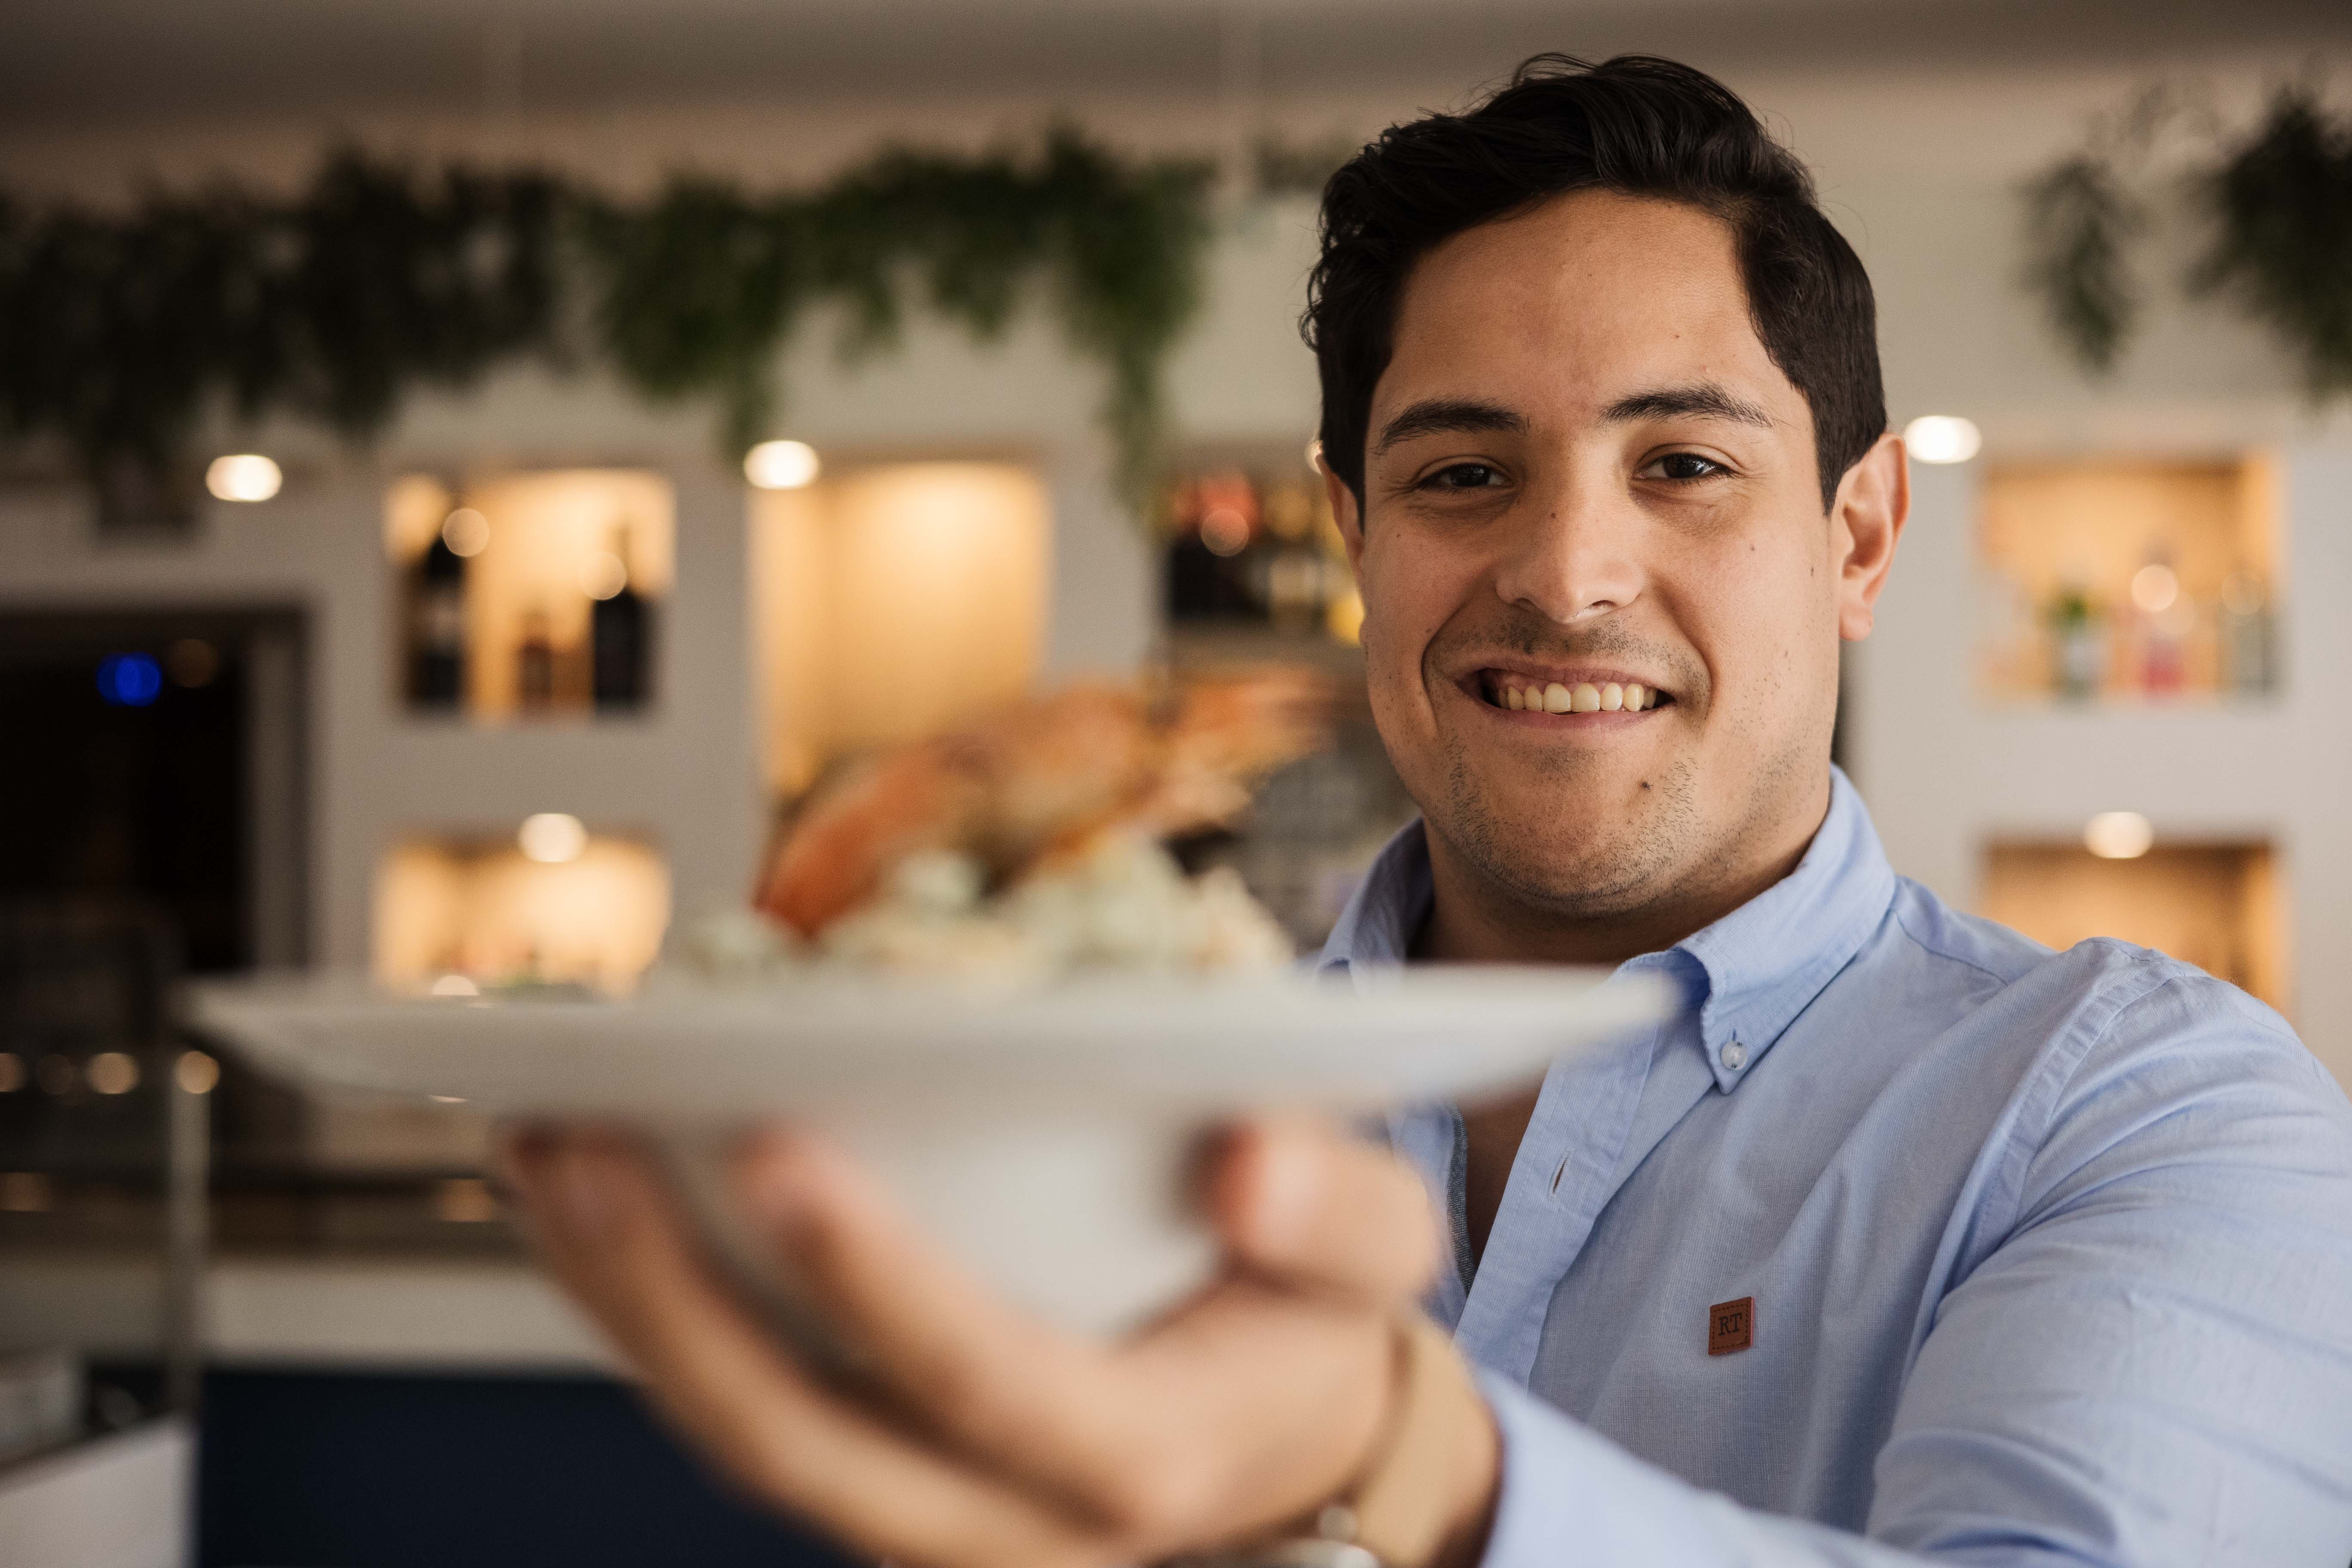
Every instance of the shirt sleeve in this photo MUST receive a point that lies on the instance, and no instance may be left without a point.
(2149, 1364)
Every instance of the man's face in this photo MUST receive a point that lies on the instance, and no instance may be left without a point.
(1584, 471)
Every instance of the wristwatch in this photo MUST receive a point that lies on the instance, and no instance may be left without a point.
(1396, 1513)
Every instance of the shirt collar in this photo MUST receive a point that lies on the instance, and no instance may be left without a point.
(1749, 976)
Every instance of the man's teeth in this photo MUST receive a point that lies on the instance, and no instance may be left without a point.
(1584, 697)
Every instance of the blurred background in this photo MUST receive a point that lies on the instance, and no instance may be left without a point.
(464, 467)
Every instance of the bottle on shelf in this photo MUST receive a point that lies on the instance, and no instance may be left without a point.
(2248, 650)
(437, 627)
(535, 664)
(619, 638)
(2162, 618)
(2078, 641)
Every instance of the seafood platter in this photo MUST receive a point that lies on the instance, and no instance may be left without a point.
(975, 959)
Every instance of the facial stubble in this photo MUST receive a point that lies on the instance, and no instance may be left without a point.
(1592, 858)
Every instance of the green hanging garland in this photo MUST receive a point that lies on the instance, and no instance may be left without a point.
(119, 334)
(2279, 204)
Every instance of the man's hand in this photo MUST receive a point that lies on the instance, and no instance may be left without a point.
(989, 1439)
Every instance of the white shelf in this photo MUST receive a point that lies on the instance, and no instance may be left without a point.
(121, 1501)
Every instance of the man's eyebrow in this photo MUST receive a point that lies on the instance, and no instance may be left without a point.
(1447, 416)
(1703, 400)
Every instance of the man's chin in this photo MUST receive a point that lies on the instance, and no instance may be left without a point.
(1540, 865)
(1581, 846)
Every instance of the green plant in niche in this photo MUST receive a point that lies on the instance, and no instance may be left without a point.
(2277, 200)
(120, 334)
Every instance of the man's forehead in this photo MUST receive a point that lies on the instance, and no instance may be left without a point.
(1576, 306)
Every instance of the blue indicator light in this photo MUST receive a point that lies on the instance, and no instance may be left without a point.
(129, 679)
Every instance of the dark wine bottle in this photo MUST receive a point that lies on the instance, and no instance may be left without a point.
(535, 665)
(618, 635)
(437, 627)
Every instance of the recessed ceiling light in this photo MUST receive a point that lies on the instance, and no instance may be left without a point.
(2118, 835)
(243, 476)
(1942, 438)
(552, 838)
(781, 465)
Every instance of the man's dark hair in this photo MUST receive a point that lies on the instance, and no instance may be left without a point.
(1636, 125)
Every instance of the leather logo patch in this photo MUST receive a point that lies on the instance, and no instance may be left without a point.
(1731, 1326)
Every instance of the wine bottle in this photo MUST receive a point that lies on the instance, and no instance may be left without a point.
(437, 627)
(618, 635)
(535, 664)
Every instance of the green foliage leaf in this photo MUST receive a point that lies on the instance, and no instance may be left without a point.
(2079, 221)
(2284, 202)
(2280, 203)
(117, 332)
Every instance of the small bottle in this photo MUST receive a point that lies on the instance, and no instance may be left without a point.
(618, 630)
(2248, 649)
(436, 628)
(535, 664)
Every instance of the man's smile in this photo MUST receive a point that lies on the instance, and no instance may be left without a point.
(1565, 695)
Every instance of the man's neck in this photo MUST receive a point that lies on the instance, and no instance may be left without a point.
(1472, 920)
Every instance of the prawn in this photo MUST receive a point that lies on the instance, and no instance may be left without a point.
(1042, 780)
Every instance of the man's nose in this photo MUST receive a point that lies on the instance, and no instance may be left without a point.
(1570, 553)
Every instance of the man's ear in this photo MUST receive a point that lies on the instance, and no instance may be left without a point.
(1873, 502)
(1345, 510)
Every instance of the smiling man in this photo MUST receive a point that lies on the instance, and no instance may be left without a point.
(1908, 1242)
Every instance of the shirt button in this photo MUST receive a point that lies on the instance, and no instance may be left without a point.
(1734, 1057)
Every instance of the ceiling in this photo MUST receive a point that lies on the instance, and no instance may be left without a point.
(82, 63)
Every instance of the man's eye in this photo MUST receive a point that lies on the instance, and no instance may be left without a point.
(1463, 476)
(1684, 466)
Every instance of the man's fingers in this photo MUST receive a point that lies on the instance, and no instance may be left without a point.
(1201, 1417)
(1304, 1204)
(1047, 1409)
(1250, 1403)
(608, 1233)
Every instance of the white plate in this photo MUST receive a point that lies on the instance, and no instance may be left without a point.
(830, 1045)
(1044, 1133)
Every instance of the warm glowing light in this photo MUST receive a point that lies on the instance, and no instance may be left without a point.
(604, 575)
(2118, 835)
(466, 531)
(12, 1072)
(446, 1099)
(113, 1072)
(25, 1191)
(455, 985)
(2154, 587)
(1224, 530)
(196, 1073)
(129, 679)
(781, 465)
(1942, 438)
(464, 1200)
(243, 476)
(552, 838)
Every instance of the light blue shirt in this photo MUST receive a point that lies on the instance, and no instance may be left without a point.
(2050, 1255)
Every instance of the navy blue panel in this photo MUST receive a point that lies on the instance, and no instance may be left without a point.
(307, 1469)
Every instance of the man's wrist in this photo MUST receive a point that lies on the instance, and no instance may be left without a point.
(1426, 1498)
(1472, 1470)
